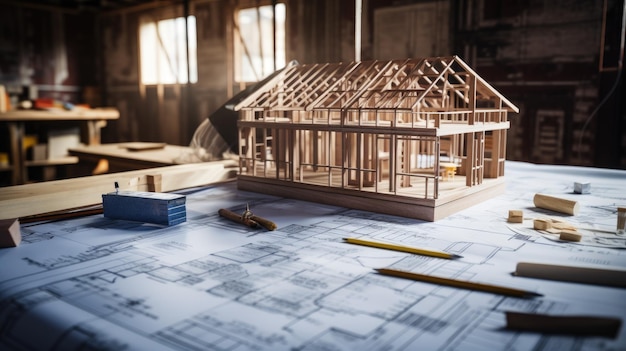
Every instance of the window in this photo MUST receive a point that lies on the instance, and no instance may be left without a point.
(254, 42)
(163, 52)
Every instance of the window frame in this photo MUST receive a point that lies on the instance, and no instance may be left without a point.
(190, 72)
(239, 51)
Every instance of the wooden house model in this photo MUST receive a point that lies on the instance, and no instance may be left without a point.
(420, 138)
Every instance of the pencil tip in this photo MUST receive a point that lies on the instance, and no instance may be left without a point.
(454, 256)
(533, 294)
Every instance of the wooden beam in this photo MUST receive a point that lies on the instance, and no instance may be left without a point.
(38, 198)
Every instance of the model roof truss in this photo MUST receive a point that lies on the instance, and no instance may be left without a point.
(425, 133)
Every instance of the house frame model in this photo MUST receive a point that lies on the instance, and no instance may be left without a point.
(418, 138)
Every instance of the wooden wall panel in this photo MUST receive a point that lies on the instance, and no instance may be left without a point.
(530, 51)
(544, 56)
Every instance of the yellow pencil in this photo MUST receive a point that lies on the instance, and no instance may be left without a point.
(402, 248)
(458, 283)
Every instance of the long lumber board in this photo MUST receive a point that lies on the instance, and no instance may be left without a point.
(39, 198)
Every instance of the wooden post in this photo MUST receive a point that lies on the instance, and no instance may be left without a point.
(471, 159)
(472, 99)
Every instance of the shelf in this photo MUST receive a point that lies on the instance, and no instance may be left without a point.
(69, 160)
(58, 115)
(91, 122)
(6, 168)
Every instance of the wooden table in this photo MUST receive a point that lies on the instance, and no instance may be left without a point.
(91, 120)
(131, 156)
(27, 200)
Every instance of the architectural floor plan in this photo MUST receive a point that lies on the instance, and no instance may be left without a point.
(212, 284)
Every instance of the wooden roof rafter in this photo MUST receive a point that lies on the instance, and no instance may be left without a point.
(338, 92)
(248, 101)
(432, 84)
(280, 93)
(289, 93)
(452, 81)
(410, 79)
(484, 87)
(440, 77)
(401, 86)
(326, 79)
(413, 81)
(461, 87)
(348, 97)
(390, 65)
(333, 89)
(299, 85)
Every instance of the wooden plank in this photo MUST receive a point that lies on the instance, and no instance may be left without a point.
(68, 160)
(32, 199)
(54, 115)
(133, 155)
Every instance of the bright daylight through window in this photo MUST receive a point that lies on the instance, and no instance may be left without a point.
(164, 53)
(256, 56)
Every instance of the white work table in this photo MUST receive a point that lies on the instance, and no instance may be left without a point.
(211, 283)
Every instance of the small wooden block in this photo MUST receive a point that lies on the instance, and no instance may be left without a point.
(516, 216)
(570, 235)
(562, 225)
(10, 235)
(542, 224)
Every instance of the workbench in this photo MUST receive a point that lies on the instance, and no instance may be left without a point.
(131, 156)
(90, 120)
(214, 284)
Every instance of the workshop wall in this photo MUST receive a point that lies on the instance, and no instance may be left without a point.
(557, 60)
(52, 50)
(545, 56)
(318, 31)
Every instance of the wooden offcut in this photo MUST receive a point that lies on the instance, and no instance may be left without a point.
(556, 204)
(10, 234)
(516, 216)
(39, 198)
(570, 235)
(542, 224)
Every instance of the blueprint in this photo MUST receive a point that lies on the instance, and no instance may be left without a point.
(94, 283)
